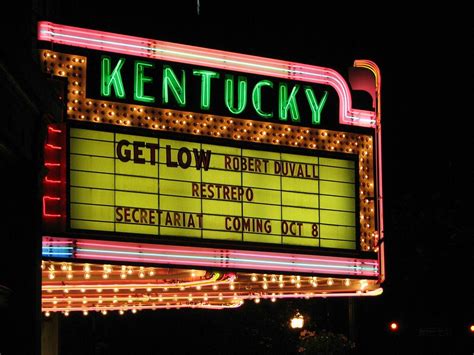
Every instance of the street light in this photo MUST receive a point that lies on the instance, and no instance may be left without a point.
(393, 326)
(297, 321)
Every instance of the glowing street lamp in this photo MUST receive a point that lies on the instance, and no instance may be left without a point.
(393, 326)
(297, 321)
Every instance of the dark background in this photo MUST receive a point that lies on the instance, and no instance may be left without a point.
(425, 56)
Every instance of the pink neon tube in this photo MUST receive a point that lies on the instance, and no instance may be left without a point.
(148, 48)
(209, 257)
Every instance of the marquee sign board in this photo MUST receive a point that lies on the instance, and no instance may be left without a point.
(162, 187)
(174, 144)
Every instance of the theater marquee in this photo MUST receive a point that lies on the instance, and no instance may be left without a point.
(185, 156)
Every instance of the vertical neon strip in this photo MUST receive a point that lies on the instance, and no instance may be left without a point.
(378, 143)
(140, 80)
(111, 78)
(170, 81)
(241, 94)
(149, 48)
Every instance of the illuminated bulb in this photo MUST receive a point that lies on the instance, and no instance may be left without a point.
(193, 273)
(273, 299)
(66, 313)
(273, 278)
(87, 276)
(330, 282)
(298, 285)
(257, 300)
(215, 287)
(123, 276)
(47, 314)
(51, 275)
(347, 282)
(132, 289)
(116, 289)
(205, 297)
(253, 278)
(105, 276)
(198, 287)
(265, 286)
(148, 289)
(130, 271)
(104, 312)
(85, 313)
(151, 273)
(141, 274)
(220, 297)
(63, 267)
(87, 268)
(99, 290)
(231, 287)
(281, 284)
(292, 280)
(42, 265)
(182, 288)
(121, 312)
(134, 311)
(83, 290)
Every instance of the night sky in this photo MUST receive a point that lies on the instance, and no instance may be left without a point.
(428, 174)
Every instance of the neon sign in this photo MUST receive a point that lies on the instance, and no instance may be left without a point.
(216, 144)
(176, 86)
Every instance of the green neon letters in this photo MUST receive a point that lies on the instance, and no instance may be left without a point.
(141, 80)
(231, 90)
(286, 103)
(241, 94)
(111, 78)
(313, 104)
(206, 76)
(257, 98)
(170, 81)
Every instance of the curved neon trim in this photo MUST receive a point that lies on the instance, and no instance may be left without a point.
(369, 65)
(149, 48)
